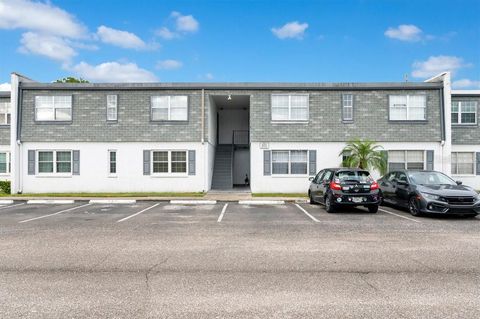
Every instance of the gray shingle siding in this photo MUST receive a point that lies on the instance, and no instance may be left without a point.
(466, 134)
(4, 129)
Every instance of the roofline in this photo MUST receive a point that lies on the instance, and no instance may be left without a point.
(232, 86)
(466, 92)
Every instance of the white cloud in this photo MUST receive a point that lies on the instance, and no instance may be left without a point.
(466, 84)
(185, 23)
(5, 86)
(209, 76)
(437, 64)
(40, 17)
(50, 46)
(165, 33)
(113, 72)
(123, 39)
(293, 30)
(405, 32)
(169, 64)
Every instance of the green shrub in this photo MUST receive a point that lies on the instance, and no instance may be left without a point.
(5, 186)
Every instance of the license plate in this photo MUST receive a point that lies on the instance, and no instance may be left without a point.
(357, 199)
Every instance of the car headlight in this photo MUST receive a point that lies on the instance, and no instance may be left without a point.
(431, 196)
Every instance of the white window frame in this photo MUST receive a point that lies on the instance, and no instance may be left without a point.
(474, 163)
(169, 158)
(54, 108)
(289, 119)
(110, 174)
(408, 107)
(460, 111)
(344, 106)
(8, 160)
(169, 108)
(8, 112)
(54, 173)
(289, 173)
(405, 163)
(112, 104)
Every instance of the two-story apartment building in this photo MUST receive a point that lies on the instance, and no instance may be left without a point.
(174, 137)
(5, 111)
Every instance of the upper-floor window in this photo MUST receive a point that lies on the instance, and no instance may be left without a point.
(464, 112)
(51, 162)
(347, 107)
(53, 108)
(170, 108)
(290, 162)
(290, 107)
(165, 162)
(5, 113)
(408, 107)
(463, 163)
(5, 162)
(112, 107)
(412, 160)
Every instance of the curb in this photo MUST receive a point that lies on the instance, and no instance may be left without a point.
(50, 201)
(261, 202)
(6, 201)
(112, 201)
(193, 202)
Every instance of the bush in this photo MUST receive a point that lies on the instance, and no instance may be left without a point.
(5, 186)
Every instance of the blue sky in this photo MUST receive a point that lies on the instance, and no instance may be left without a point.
(252, 40)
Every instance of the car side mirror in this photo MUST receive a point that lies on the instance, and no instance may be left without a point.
(459, 182)
(403, 183)
(310, 179)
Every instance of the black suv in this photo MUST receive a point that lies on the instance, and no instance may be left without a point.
(336, 187)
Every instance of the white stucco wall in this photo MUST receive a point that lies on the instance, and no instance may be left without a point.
(94, 172)
(470, 180)
(327, 156)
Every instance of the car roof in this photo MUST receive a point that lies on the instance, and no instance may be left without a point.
(336, 169)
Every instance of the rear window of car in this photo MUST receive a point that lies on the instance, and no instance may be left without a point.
(353, 176)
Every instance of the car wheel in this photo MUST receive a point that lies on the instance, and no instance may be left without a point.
(329, 205)
(312, 201)
(413, 207)
(373, 209)
(380, 195)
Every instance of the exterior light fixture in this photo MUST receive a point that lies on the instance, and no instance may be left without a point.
(229, 98)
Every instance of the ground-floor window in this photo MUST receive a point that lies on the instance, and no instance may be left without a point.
(165, 162)
(293, 162)
(463, 163)
(112, 157)
(5, 162)
(54, 162)
(412, 160)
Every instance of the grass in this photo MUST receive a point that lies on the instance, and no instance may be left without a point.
(280, 195)
(105, 195)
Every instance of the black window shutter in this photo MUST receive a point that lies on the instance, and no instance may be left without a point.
(266, 163)
(76, 163)
(312, 162)
(478, 163)
(31, 162)
(146, 162)
(430, 158)
(191, 162)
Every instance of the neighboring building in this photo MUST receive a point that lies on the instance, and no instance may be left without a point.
(466, 137)
(5, 118)
(178, 137)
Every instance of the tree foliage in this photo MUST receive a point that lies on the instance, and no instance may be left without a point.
(365, 155)
(71, 79)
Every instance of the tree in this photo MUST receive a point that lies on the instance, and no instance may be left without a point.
(71, 79)
(365, 155)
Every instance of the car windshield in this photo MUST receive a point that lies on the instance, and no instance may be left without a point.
(353, 176)
(430, 178)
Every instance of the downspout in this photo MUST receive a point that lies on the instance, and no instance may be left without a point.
(442, 121)
(203, 116)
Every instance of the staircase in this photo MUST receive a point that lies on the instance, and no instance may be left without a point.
(222, 170)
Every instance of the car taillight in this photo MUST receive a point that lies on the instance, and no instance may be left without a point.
(335, 186)
(374, 186)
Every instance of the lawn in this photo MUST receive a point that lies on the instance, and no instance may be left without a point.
(105, 195)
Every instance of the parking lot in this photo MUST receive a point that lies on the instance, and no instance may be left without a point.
(292, 260)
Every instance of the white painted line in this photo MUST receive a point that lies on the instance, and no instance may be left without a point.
(5, 207)
(223, 213)
(112, 201)
(193, 202)
(138, 213)
(307, 213)
(51, 201)
(386, 211)
(60, 212)
(261, 202)
(6, 201)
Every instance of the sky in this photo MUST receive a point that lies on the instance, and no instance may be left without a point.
(241, 41)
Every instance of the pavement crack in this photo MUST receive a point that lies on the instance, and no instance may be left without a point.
(149, 271)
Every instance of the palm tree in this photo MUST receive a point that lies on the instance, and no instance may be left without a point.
(365, 155)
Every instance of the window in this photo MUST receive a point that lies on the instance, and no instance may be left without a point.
(5, 113)
(347, 107)
(408, 107)
(111, 107)
(112, 158)
(290, 107)
(464, 112)
(412, 160)
(165, 162)
(170, 108)
(5, 162)
(53, 108)
(463, 163)
(54, 162)
(290, 162)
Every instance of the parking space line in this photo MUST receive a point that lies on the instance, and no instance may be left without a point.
(5, 207)
(138, 213)
(60, 212)
(386, 211)
(222, 213)
(307, 213)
